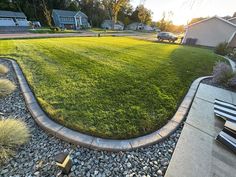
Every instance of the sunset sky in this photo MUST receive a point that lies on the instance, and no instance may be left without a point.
(185, 10)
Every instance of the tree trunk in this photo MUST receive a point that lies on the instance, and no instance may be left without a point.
(46, 13)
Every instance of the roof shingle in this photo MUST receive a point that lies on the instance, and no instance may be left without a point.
(12, 14)
(66, 13)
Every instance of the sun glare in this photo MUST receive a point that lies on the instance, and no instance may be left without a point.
(185, 10)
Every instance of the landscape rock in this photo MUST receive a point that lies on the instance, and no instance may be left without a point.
(36, 158)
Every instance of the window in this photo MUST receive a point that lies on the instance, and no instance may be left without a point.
(67, 19)
(5, 18)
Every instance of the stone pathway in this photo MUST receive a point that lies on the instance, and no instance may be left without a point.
(197, 154)
(36, 157)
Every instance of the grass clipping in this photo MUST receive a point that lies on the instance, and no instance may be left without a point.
(3, 69)
(13, 133)
(6, 87)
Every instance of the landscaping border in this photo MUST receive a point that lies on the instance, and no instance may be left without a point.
(100, 143)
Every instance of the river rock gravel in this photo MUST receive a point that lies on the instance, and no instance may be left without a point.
(36, 158)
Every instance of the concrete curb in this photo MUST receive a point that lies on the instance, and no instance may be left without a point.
(232, 63)
(100, 143)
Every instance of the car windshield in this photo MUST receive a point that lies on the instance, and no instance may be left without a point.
(166, 34)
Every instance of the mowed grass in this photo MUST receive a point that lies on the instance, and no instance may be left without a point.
(112, 87)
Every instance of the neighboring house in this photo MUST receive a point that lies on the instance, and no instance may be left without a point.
(108, 24)
(13, 19)
(140, 26)
(70, 19)
(232, 20)
(210, 32)
(36, 24)
(135, 26)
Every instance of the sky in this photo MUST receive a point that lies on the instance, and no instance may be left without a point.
(185, 10)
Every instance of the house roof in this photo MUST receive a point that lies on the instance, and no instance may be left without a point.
(67, 13)
(136, 23)
(232, 18)
(226, 21)
(12, 14)
(110, 22)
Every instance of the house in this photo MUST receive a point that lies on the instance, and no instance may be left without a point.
(134, 26)
(210, 32)
(232, 20)
(70, 19)
(232, 42)
(108, 24)
(13, 19)
(140, 26)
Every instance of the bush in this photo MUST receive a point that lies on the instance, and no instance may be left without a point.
(3, 69)
(232, 81)
(222, 73)
(222, 48)
(13, 133)
(6, 87)
(232, 54)
(56, 29)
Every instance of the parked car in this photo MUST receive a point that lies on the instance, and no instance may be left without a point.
(167, 36)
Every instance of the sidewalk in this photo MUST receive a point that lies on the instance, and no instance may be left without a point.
(197, 154)
(53, 35)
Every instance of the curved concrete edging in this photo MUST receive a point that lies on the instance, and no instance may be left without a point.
(231, 62)
(100, 143)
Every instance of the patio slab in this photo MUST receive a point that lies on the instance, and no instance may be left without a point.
(206, 122)
(206, 92)
(197, 153)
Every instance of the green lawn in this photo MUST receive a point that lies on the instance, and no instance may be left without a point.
(111, 87)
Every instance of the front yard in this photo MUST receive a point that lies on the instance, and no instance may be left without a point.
(109, 87)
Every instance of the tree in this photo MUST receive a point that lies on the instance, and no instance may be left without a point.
(6, 5)
(144, 15)
(117, 4)
(125, 13)
(46, 13)
(113, 7)
(165, 22)
(95, 11)
(73, 6)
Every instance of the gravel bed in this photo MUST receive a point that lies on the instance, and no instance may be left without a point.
(36, 157)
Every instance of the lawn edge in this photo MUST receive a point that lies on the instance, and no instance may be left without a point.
(97, 143)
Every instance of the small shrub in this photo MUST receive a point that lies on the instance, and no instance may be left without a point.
(56, 29)
(6, 87)
(232, 81)
(222, 48)
(222, 73)
(3, 69)
(232, 54)
(13, 133)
